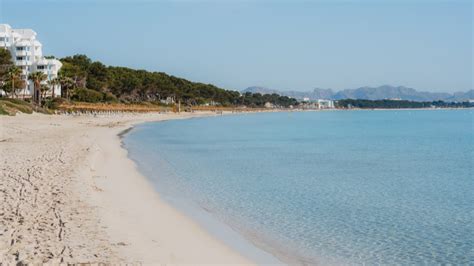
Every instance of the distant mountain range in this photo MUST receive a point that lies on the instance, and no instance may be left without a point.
(369, 93)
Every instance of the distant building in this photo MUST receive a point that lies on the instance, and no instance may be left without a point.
(168, 100)
(317, 104)
(27, 54)
(269, 105)
(325, 104)
(305, 99)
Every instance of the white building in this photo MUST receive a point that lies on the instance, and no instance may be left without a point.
(325, 104)
(27, 54)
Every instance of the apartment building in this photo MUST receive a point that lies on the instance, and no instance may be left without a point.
(27, 54)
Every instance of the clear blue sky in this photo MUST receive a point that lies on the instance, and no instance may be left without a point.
(279, 44)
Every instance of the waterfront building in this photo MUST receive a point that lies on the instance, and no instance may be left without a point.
(325, 104)
(27, 54)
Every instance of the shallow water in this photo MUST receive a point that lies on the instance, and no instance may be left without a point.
(375, 187)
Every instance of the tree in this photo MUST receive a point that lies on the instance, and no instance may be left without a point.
(132, 85)
(5, 64)
(76, 67)
(52, 83)
(5, 61)
(67, 84)
(13, 78)
(37, 77)
(97, 76)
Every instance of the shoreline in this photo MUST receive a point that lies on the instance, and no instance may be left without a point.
(222, 231)
(68, 183)
(245, 242)
(108, 212)
(253, 248)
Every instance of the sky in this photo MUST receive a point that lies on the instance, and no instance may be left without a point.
(281, 44)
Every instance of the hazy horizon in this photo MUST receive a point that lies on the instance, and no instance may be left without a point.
(298, 45)
(341, 89)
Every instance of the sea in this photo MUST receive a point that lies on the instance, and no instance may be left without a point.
(392, 187)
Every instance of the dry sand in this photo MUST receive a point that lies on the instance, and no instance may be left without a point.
(68, 193)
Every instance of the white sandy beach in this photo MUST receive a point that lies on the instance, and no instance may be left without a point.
(70, 194)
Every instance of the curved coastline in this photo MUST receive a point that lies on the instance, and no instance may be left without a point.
(222, 231)
(244, 241)
(107, 208)
(87, 202)
(155, 231)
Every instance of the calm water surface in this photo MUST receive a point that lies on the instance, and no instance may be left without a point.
(374, 187)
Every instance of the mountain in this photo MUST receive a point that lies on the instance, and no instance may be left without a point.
(462, 96)
(261, 90)
(390, 92)
(299, 95)
(370, 93)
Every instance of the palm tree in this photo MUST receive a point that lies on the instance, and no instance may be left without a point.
(37, 77)
(52, 84)
(13, 74)
(66, 84)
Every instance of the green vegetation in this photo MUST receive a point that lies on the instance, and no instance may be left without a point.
(13, 106)
(92, 96)
(259, 100)
(134, 86)
(10, 80)
(5, 62)
(83, 80)
(396, 104)
(37, 78)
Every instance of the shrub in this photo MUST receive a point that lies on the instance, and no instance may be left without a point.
(54, 103)
(12, 106)
(86, 95)
(16, 101)
(3, 111)
(110, 98)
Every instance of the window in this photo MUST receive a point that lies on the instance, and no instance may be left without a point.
(20, 48)
(41, 67)
(19, 58)
(2, 39)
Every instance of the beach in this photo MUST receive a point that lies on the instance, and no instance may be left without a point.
(69, 194)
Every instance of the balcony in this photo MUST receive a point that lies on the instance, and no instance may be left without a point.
(41, 67)
(22, 63)
(21, 53)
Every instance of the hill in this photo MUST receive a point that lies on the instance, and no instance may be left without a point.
(370, 93)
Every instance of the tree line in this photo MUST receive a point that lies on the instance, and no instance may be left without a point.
(132, 85)
(82, 79)
(398, 104)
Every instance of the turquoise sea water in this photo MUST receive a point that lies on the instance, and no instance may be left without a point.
(342, 187)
